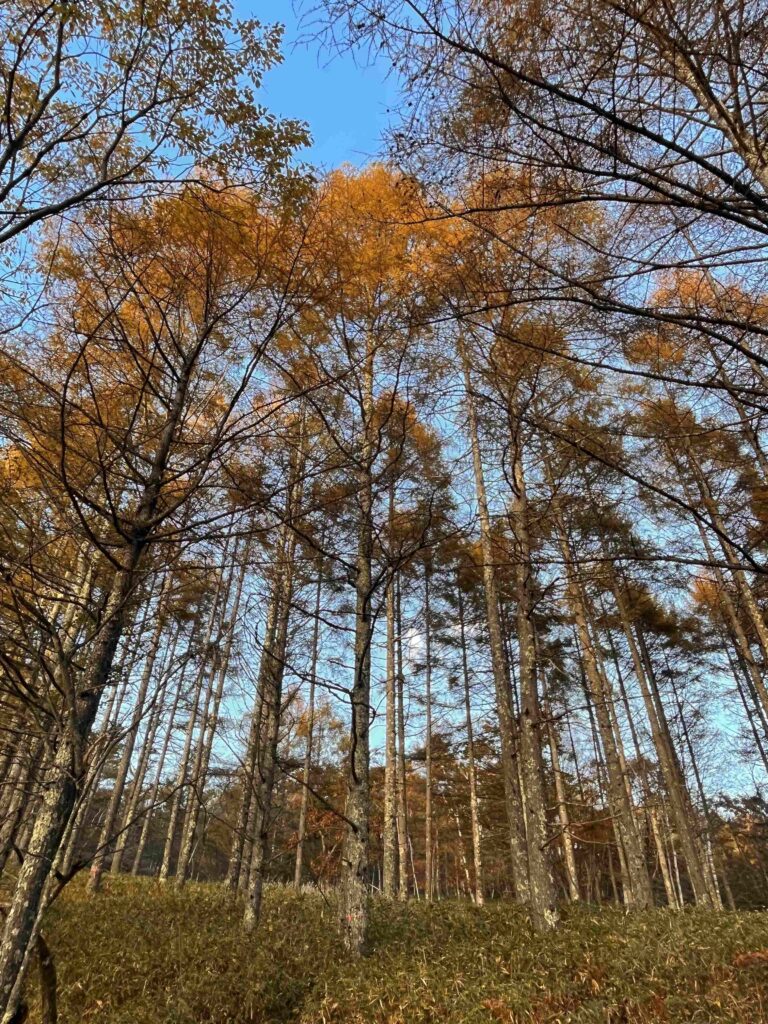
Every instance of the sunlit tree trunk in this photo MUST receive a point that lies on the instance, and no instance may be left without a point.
(683, 812)
(197, 711)
(242, 845)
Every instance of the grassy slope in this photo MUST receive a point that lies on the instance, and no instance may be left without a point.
(140, 954)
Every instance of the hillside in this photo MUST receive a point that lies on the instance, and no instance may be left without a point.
(142, 954)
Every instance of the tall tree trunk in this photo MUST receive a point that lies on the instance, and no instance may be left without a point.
(389, 837)
(306, 771)
(683, 811)
(197, 711)
(429, 868)
(640, 892)
(157, 712)
(158, 779)
(401, 778)
(242, 845)
(507, 730)
(569, 857)
(274, 662)
(106, 838)
(542, 890)
(354, 864)
(209, 721)
(474, 802)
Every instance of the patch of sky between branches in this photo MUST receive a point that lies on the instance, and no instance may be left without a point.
(347, 100)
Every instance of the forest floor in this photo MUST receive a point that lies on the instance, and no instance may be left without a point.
(142, 954)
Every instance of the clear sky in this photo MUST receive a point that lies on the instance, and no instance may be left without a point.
(344, 102)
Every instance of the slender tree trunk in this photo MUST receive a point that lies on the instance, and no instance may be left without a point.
(272, 702)
(133, 802)
(242, 845)
(429, 868)
(669, 888)
(507, 730)
(389, 837)
(196, 711)
(640, 893)
(210, 719)
(106, 838)
(155, 791)
(683, 811)
(569, 857)
(401, 778)
(306, 771)
(543, 902)
(474, 803)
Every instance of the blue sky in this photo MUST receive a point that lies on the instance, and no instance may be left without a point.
(345, 102)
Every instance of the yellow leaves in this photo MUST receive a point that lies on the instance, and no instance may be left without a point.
(15, 469)
(700, 292)
(659, 350)
(522, 347)
(706, 593)
(367, 241)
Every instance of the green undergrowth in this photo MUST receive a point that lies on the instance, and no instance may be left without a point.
(140, 953)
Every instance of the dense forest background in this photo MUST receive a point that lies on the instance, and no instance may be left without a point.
(398, 531)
